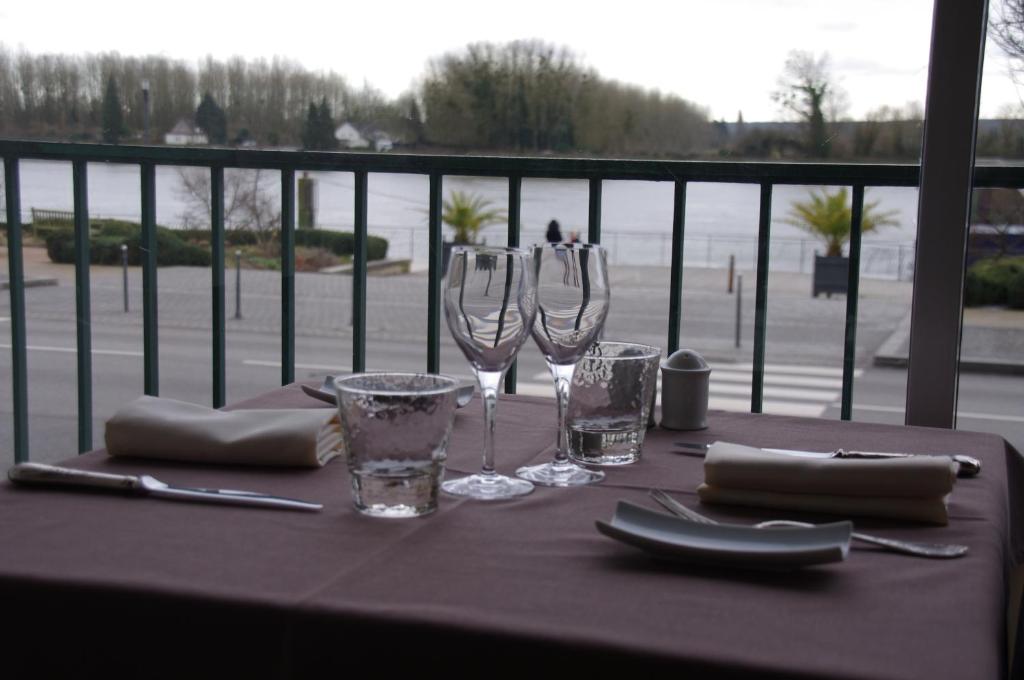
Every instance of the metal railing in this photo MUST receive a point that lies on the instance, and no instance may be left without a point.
(680, 173)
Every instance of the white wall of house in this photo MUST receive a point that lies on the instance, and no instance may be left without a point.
(350, 137)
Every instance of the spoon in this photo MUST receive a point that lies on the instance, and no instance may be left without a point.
(463, 394)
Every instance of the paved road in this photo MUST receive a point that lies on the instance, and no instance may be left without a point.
(805, 339)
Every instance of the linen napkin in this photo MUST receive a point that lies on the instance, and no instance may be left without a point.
(153, 427)
(916, 488)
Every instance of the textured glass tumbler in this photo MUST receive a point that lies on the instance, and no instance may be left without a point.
(396, 428)
(610, 402)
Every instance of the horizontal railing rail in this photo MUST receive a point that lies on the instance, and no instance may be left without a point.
(435, 167)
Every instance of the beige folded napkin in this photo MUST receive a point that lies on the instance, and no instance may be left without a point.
(154, 427)
(914, 488)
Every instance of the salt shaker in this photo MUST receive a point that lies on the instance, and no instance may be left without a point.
(685, 380)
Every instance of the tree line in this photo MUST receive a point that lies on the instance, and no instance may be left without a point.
(62, 96)
(520, 97)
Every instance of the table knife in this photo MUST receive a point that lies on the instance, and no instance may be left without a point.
(967, 466)
(144, 485)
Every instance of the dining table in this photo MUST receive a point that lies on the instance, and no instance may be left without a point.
(96, 584)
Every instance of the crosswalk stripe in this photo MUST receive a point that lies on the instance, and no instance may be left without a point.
(787, 368)
(785, 408)
(778, 379)
(781, 392)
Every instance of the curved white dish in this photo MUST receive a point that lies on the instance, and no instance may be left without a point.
(727, 544)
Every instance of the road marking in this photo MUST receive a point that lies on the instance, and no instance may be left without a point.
(960, 414)
(4, 318)
(74, 350)
(787, 368)
(332, 368)
(781, 408)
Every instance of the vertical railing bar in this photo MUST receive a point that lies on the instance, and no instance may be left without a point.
(594, 212)
(287, 276)
(217, 286)
(150, 340)
(16, 287)
(359, 274)
(852, 298)
(515, 195)
(83, 316)
(761, 299)
(434, 276)
(675, 296)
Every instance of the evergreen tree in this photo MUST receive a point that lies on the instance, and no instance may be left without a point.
(310, 128)
(113, 116)
(210, 119)
(328, 142)
(318, 128)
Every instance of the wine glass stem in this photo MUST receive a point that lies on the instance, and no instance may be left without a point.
(562, 374)
(489, 383)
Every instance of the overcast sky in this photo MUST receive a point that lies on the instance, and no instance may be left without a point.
(725, 55)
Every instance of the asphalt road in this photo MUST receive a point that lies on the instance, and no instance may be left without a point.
(804, 344)
(987, 403)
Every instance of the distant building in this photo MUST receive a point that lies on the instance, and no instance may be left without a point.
(352, 136)
(184, 133)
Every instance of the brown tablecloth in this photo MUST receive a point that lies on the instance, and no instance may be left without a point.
(98, 585)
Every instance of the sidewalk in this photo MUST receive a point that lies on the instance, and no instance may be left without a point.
(992, 342)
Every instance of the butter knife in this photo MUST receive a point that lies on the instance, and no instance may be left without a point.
(967, 466)
(144, 485)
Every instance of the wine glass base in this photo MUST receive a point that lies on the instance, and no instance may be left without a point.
(487, 487)
(560, 474)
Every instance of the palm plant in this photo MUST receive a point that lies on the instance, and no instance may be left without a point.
(828, 217)
(468, 214)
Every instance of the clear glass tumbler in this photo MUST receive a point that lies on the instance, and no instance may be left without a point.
(396, 428)
(610, 401)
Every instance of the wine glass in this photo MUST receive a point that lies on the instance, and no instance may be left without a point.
(490, 300)
(572, 304)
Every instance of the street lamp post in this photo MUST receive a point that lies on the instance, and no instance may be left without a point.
(145, 111)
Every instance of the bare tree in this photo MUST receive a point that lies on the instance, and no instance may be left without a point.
(808, 90)
(248, 202)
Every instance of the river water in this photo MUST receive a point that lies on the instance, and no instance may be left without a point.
(636, 217)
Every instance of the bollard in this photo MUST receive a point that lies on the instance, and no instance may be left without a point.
(739, 307)
(124, 272)
(238, 284)
(732, 271)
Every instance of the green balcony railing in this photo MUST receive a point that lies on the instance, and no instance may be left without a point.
(680, 173)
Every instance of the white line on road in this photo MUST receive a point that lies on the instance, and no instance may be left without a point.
(4, 318)
(960, 414)
(787, 368)
(781, 392)
(74, 350)
(784, 408)
(333, 368)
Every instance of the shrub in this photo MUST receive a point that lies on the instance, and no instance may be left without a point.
(189, 247)
(1015, 291)
(988, 282)
(105, 248)
(338, 242)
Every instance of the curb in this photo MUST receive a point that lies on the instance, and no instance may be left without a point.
(893, 354)
(30, 283)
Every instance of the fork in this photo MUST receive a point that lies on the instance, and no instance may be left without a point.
(934, 550)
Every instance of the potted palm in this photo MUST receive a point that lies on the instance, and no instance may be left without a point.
(467, 214)
(828, 217)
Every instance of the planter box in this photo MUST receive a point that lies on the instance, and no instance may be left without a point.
(831, 275)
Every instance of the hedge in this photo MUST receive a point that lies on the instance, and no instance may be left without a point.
(338, 242)
(998, 281)
(188, 247)
(105, 247)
